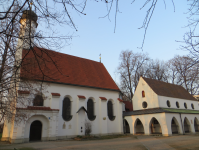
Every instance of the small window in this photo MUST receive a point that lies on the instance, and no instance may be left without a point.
(90, 110)
(192, 106)
(66, 109)
(168, 103)
(110, 110)
(144, 104)
(38, 100)
(177, 105)
(185, 105)
(143, 94)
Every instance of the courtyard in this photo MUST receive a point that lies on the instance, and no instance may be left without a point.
(129, 142)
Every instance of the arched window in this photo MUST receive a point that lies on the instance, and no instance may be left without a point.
(143, 94)
(38, 100)
(90, 110)
(66, 109)
(177, 105)
(110, 110)
(168, 103)
(192, 106)
(185, 105)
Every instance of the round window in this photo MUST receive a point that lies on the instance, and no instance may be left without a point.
(192, 106)
(185, 105)
(144, 104)
(177, 105)
(168, 103)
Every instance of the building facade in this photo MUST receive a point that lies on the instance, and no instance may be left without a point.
(162, 108)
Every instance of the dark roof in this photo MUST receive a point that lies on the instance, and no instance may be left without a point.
(29, 14)
(160, 110)
(128, 106)
(82, 108)
(169, 90)
(38, 108)
(65, 69)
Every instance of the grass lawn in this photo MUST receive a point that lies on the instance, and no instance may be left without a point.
(25, 148)
(80, 138)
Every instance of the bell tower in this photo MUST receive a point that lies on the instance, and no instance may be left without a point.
(28, 23)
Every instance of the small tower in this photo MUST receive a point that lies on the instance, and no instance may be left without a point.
(28, 23)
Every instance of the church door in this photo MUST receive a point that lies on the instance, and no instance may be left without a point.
(35, 131)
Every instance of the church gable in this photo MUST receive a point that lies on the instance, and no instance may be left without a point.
(144, 97)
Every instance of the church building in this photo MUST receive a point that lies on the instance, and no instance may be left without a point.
(78, 91)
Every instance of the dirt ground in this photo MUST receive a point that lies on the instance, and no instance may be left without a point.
(136, 142)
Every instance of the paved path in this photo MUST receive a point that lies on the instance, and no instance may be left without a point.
(152, 143)
(139, 142)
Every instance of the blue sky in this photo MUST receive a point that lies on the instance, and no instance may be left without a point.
(96, 35)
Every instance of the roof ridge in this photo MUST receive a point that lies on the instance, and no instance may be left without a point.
(66, 54)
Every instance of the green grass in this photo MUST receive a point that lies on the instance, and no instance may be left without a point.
(79, 138)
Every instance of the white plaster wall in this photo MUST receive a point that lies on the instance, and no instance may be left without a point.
(45, 125)
(99, 126)
(54, 102)
(146, 121)
(163, 103)
(150, 96)
(165, 120)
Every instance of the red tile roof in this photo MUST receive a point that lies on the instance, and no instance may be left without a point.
(81, 96)
(67, 69)
(120, 100)
(103, 98)
(55, 94)
(128, 106)
(39, 108)
(169, 90)
(23, 92)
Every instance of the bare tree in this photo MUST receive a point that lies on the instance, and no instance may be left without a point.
(184, 73)
(130, 69)
(17, 31)
(157, 70)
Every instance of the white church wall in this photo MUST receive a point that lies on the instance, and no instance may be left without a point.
(99, 125)
(163, 103)
(150, 97)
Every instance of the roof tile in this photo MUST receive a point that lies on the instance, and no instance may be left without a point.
(38, 108)
(103, 98)
(169, 90)
(65, 69)
(55, 94)
(81, 96)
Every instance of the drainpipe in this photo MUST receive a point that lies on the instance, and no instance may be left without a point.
(182, 124)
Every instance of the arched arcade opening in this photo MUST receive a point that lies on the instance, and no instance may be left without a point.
(196, 125)
(155, 127)
(139, 128)
(186, 125)
(126, 127)
(174, 126)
